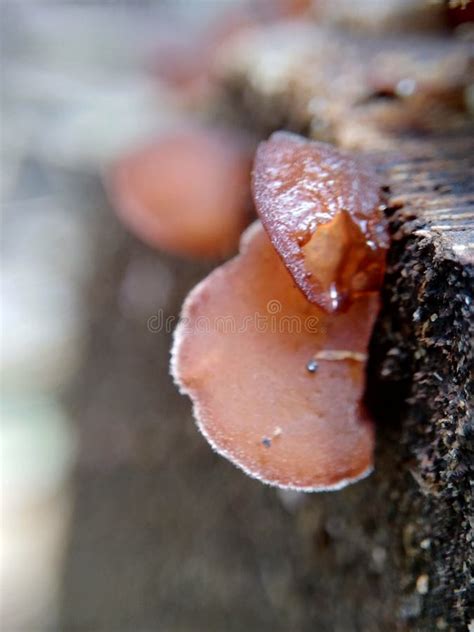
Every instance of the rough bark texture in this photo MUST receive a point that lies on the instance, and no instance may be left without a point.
(422, 352)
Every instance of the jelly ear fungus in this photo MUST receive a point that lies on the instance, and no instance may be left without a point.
(322, 211)
(253, 355)
(276, 371)
(187, 191)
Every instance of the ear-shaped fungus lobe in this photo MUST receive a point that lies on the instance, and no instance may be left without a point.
(321, 209)
(187, 192)
(276, 382)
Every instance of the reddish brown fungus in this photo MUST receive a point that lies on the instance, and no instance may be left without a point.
(321, 209)
(185, 60)
(243, 352)
(187, 192)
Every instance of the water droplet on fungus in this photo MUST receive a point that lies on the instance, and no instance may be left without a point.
(340, 254)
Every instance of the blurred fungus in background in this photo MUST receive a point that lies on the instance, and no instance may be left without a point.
(77, 95)
(184, 58)
(188, 192)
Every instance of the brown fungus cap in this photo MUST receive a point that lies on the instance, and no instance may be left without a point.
(321, 210)
(187, 192)
(276, 382)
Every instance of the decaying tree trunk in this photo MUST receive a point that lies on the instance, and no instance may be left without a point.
(422, 355)
(415, 515)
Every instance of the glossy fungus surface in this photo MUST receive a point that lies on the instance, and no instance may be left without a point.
(322, 211)
(276, 382)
